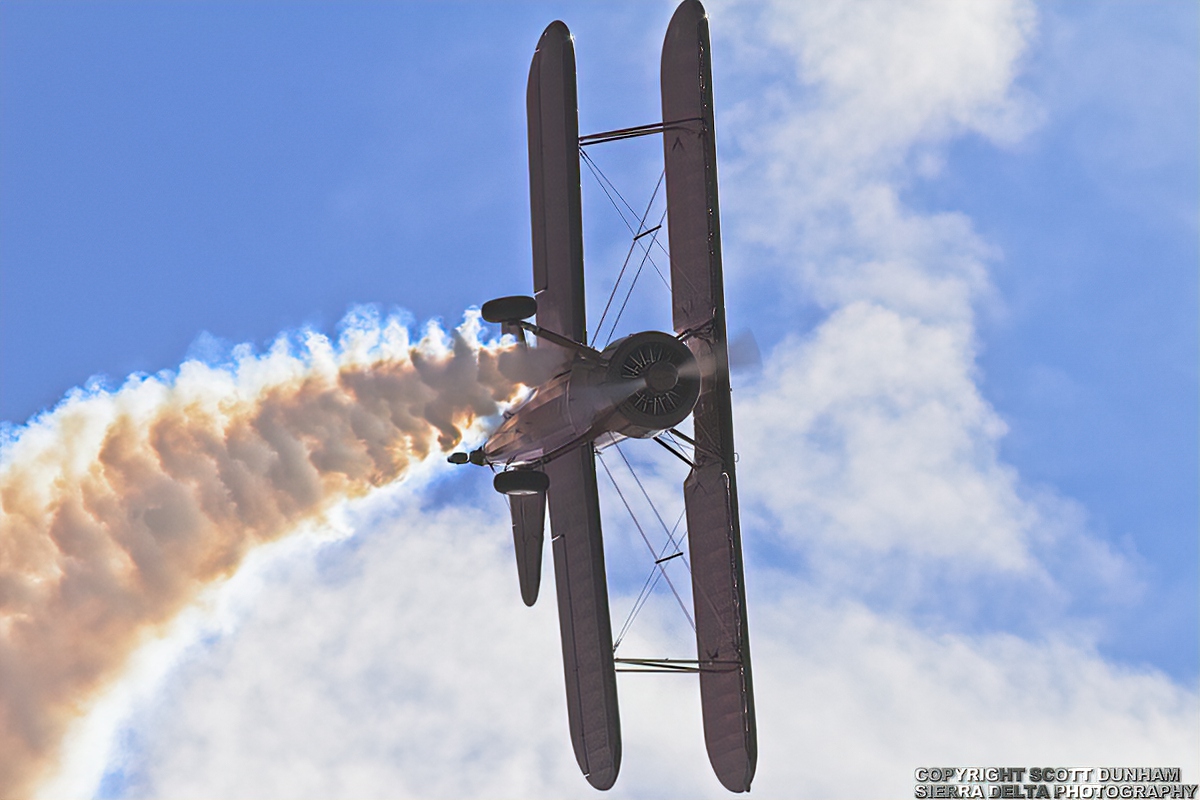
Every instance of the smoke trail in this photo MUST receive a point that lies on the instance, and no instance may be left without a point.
(118, 507)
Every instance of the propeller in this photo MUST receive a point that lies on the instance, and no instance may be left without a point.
(744, 353)
(745, 358)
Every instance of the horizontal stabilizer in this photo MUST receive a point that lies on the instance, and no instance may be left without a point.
(528, 524)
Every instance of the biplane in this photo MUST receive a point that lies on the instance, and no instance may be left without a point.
(639, 387)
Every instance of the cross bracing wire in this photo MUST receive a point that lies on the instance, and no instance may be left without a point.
(656, 572)
(660, 566)
(670, 532)
(609, 190)
(633, 283)
(642, 230)
(644, 595)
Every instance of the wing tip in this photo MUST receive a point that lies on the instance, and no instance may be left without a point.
(603, 779)
(555, 30)
(688, 11)
(740, 782)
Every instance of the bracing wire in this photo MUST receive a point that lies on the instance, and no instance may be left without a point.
(647, 589)
(683, 446)
(633, 283)
(643, 596)
(609, 190)
(612, 295)
(608, 185)
(670, 533)
(641, 230)
(646, 539)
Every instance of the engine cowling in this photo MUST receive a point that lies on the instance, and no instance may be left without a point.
(663, 380)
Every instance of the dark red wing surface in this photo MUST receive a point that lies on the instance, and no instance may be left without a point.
(710, 492)
(554, 194)
(583, 615)
(574, 507)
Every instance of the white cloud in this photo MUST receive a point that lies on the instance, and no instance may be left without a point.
(874, 79)
(406, 666)
(889, 445)
(869, 454)
(886, 440)
(374, 681)
(858, 700)
(863, 97)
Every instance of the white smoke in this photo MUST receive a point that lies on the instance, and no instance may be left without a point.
(119, 507)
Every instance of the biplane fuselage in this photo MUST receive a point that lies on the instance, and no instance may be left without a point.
(639, 386)
(636, 387)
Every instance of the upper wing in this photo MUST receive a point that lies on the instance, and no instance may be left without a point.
(710, 492)
(554, 194)
(574, 506)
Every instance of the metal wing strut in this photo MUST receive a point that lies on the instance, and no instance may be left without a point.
(710, 491)
(574, 505)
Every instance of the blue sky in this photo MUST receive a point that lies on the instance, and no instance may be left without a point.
(178, 176)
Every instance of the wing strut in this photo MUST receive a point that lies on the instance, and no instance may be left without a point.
(632, 133)
(710, 491)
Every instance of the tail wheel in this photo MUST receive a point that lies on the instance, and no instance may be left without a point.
(521, 482)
